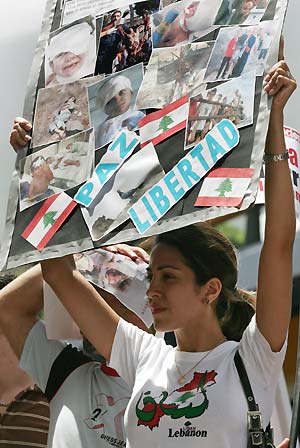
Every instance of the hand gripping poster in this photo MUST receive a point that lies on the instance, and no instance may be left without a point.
(147, 116)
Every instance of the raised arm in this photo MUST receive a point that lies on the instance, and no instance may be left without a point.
(95, 318)
(93, 315)
(274, 290)
(20, 302)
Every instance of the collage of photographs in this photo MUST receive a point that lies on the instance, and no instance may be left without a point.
(109, 64)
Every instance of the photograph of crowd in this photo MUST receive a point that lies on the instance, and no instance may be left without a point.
(174, 74)
(56, 168)
(61, 112)
(182, 22)
(71, 52)
(239, 50)
(125, 38)
(140, 172)
(233, 100)
(247, 12)
(112, 104)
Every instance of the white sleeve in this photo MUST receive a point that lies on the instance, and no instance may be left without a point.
(261, 362)
(39, 353)
(132, 348)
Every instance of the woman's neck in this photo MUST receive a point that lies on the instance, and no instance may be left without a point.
(200, 337)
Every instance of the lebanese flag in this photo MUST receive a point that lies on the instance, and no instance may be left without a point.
(163, 123)
(48, 220)
(224, 186)
(260, 197)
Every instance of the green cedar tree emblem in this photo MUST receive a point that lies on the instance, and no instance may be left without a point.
(164, 123)
(49, 219)
(224, 187)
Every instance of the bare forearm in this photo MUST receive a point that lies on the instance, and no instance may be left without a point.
(275, 267)
(20, 303)
(95, 318)
(280, 208)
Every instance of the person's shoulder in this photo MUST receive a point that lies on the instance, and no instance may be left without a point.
(67, 361)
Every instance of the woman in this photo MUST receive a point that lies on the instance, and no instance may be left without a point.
(192, 394)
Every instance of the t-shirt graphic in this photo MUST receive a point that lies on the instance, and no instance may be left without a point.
(108, 410)
(188, 401)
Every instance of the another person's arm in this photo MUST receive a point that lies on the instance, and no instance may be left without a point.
(20, 302)
(284, 444)
(275, 268)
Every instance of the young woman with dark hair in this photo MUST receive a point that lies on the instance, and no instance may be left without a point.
(191, 395)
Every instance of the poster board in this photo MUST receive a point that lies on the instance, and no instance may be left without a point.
(204, 85)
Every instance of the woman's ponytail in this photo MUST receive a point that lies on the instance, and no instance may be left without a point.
(234, 310)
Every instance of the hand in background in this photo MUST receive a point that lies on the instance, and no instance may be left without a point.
(19, 136)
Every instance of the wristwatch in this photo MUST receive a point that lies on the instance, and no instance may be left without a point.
(276, 157)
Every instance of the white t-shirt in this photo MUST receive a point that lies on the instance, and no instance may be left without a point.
(88, 408)
(209, 410)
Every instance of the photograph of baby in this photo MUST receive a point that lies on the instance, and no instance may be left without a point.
(183, 21)
(109, 210)
(56, 168)
(112, 104)
(125, 38)
(124, 278)
(233, 100)
(71, 52)
(174, 74)
(61, 112)
(239, 50)
(247, 12)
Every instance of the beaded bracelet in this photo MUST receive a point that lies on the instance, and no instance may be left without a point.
(276, 157)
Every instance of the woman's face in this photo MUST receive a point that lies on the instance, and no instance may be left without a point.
(174, 296)
(66, 64)
(119, 103)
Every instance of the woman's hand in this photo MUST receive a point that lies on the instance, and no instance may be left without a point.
(19, 136)
(280, 82)
(280, 85)
(132, 252)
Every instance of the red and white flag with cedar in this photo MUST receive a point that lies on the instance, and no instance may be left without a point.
(224, 186)
(48, 220)
(163, 123)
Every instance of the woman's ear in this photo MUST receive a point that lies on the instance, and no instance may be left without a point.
(212, 289)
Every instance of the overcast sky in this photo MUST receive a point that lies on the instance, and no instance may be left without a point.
(20, 24)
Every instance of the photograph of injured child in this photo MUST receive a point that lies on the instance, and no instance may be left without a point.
(183, 21)
(71, 52)
(125, 38)
(56, 168)
(119, 275)
(61, 112)
(112, 104)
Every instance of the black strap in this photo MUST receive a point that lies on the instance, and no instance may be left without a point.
(66, 362)
(257, 436)
(252, 406)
